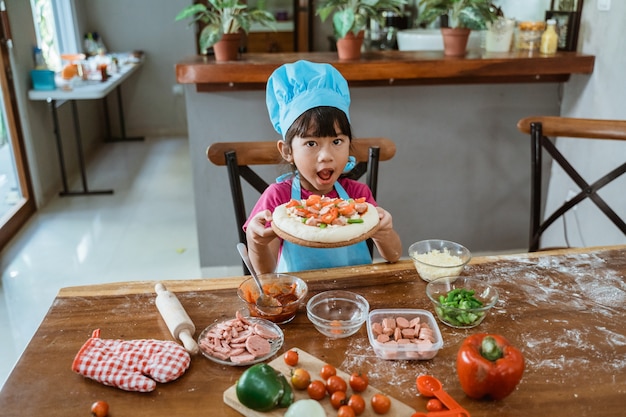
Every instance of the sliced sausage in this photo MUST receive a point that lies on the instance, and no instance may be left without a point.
(258, 346)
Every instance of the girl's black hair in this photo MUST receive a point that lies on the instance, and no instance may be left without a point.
(319, 122)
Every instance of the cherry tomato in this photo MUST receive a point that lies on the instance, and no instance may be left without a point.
(337, 399)
(291, 357)
(100, 409)
(434, 405)
(300, 378)
(345, 411)
(380, 403)
(327, 371)
(316, 390)
(358, 382)
(357, 403)
(336, 383)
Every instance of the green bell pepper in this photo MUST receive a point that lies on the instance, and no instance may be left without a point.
(262, 388)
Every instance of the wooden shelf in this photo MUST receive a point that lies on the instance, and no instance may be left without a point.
(389, 68)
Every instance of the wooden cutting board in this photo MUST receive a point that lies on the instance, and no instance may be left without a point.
(313, 365)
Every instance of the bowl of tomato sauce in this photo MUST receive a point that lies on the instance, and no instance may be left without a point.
(286, 291)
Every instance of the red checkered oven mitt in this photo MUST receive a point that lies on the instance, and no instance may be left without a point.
(132, 365)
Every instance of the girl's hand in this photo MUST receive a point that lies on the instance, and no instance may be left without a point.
(385, 220)
(262, 243)
(386, 238)
(258, 230)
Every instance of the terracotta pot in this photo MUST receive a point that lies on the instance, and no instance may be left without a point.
(227, 48)
(349, 47)
(455, 41)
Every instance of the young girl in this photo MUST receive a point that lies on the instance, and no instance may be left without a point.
(308, 105)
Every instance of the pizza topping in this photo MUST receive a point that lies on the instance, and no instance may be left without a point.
(322, 211)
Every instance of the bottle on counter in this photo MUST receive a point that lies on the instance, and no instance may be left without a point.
(549, 39)
(40, 62)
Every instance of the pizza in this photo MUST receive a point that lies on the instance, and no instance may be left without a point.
(321, 221)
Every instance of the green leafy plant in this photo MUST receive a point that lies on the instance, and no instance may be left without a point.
(353, 15)
(469, 14)
(223, 16)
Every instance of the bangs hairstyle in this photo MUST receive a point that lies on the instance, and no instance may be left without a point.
(319, 122)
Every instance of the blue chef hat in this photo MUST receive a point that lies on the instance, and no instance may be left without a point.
(292, 89)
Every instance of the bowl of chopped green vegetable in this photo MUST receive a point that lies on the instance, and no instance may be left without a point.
(461, 302)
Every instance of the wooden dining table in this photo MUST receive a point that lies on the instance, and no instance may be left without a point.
(564, 309)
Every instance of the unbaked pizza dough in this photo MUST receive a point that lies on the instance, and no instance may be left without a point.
(291, 227)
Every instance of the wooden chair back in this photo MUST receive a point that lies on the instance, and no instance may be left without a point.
(239, 157)
(541, 129)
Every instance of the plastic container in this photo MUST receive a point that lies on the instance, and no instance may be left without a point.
(43, 79)
(396, 350)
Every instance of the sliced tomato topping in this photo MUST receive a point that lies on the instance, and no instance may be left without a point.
(313, 200)
(347, 209)
(330, 215)
(321, 211)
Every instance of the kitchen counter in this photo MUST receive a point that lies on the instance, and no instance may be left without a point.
(563, 309)
(390, 68)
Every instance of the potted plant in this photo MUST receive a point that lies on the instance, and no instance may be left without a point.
(224, 21)
(350, 17)
(463, 16)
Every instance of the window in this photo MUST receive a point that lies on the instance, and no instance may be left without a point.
(55, 25)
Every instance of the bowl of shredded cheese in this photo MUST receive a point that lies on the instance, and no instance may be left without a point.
(437, 258)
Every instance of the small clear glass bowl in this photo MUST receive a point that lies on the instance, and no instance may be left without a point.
(461, 318)
(337, 313)
(288, 289)
(437, 258)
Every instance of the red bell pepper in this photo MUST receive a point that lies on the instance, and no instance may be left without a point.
(488, 365)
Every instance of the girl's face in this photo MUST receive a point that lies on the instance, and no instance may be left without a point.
(320, 161)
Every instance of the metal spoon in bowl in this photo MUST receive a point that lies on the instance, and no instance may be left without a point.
(266, 304)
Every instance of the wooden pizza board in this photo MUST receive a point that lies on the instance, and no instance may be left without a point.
(313, 365)
(312, 244)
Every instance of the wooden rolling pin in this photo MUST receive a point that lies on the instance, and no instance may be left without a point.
(176, 318)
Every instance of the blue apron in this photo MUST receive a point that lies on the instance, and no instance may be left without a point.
(301, 258)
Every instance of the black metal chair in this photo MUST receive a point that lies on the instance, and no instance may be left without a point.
(540, 130)
(238, 157)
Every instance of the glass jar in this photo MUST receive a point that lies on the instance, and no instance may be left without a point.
(529, 36)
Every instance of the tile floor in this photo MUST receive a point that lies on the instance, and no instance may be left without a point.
(145, 230)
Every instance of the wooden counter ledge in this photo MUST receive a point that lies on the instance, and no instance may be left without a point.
(389, 68)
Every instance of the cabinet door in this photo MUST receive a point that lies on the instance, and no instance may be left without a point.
(270, 42)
